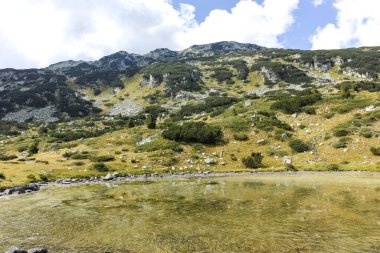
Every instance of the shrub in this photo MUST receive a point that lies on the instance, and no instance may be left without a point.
(33, 149)
(78, 163)
(241, 137)
(367, 133)
(104, 158)
(7, 157)
(45, 177)
(2, 176)
(295, 104)
(233, 157)
(290, 167)
(31, 178)
(195, 132)
(328, 115)
(100, 167)
(341, 132)
(22, 148)
(299, 146)
(342, 143)
(253, 161)
(333, 167)
(375, 151)
(310, 110)
(151, 123)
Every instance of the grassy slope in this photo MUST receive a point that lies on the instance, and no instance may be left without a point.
(122, 143)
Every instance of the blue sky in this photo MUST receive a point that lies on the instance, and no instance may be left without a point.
(35, 33)
(307, 18)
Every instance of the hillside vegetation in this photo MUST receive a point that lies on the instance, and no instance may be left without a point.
(202, 109)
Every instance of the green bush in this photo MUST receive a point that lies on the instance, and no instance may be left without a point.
(290, 167)
(375, 151)
(100, 167)
(299, 146)
(341, 132)
(342, 143)
(253, 161)
(222, 75)
(194, 132)
(241, 137)
(333, 167)
(33, 149)
(4, 157)
(295, 104)
(367, 133)
(310, 110)
(31, 178)
(328, 115)
(104, 158)
(151, 123)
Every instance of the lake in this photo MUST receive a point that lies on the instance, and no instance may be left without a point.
(258, 213)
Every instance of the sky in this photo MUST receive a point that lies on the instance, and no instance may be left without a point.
(37, 33)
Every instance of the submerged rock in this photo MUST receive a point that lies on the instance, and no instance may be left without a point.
(19, 250)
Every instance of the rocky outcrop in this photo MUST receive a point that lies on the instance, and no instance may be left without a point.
(20, 189)
(125, 108)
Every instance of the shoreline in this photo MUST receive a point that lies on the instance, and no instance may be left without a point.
(114, 178)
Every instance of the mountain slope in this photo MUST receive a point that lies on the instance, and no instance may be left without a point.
(206, 108)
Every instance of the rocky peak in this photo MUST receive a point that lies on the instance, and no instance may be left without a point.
(161, 54)
(218, 48)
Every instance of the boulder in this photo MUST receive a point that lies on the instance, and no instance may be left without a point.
(16, 250)
(108, 177)
(284, 136)
(38, 250)
(370, 108)
(210, 161)
(287, 160)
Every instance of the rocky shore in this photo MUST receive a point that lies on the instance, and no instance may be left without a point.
(115, 177)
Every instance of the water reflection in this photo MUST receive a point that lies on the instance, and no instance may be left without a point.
(237, 214)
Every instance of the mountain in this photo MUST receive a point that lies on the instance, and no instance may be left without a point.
(221, 106)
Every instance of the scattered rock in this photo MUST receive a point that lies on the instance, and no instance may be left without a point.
(109, 177)
(370, 108)
(284, 136)
(210, 161)
(247, 103)
(125, 108)
(287, 160)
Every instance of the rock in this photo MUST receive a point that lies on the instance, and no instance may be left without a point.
(247, 103)
(294, 115)
(287, 160)
(223, 163)
(284, 136)
(262, 141)
(308, 131)
(38, 250)
(370, 108)
(108, 177)
(209, 161)
(125, 108)
(16, 250)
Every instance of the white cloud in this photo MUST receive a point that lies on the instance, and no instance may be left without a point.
(248, 21)
(317, 3)
(36, 33)
(358, 24)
